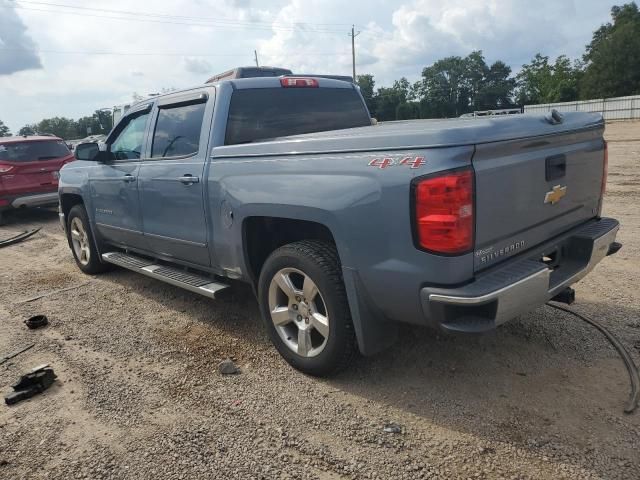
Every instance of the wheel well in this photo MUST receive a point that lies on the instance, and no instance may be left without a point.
(263, 235)
(67, 201)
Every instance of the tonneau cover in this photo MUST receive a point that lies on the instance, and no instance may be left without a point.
(409, 134)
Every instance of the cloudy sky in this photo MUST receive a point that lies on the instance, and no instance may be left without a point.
(69, 57)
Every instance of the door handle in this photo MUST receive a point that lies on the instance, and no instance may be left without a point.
(129, 178)
(189, 179)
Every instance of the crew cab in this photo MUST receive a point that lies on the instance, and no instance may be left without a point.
(343, 228)
(29, 167)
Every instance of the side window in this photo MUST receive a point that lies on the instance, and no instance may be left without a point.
(128, 144)
(177, 131)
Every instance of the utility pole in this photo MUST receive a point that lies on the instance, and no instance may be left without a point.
(353, 36)
(255, 54)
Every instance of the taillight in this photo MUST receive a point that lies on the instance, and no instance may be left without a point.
(444, 212)
(5, 168)
(298, 82)
(605, 169)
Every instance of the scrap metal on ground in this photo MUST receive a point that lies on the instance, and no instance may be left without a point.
(31, 384)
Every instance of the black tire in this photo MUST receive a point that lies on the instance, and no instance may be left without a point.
(93, 265)
(320, 262)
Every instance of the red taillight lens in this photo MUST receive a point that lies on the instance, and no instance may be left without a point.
(298, 82)
(445, 213)
(5, 168)
(4, 202)
(605, 169)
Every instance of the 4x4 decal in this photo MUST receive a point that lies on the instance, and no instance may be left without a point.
(411, 162)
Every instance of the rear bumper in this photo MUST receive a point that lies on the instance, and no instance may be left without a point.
(33, 200)
(518, 286)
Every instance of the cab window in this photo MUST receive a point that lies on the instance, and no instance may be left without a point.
(128, 143)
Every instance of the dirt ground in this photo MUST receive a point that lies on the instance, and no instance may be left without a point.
(139, 396)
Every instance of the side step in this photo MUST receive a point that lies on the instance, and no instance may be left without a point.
(175, 276)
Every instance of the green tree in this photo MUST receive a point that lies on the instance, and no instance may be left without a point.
(387, 100)
(496, 89)
(4, 130)
(613, 57)
(408, 111)
(28, 130)
(543, 82)
(62, 127)
(367, 84)
(98, 123)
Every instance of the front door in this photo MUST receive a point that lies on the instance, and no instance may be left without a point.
(114, 185)
(172, 182)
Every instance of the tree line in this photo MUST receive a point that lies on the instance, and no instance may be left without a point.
(67, 128)
(452, 86)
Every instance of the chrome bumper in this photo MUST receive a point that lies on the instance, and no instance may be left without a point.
(519, 286)
(36, 200)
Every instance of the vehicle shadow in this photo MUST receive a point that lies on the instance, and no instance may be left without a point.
(28, 217)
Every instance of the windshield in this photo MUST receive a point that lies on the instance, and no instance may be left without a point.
(262, 113)
(32, 151)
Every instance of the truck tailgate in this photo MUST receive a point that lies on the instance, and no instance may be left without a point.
(530, 190)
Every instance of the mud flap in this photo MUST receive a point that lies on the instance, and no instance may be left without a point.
(373, 331)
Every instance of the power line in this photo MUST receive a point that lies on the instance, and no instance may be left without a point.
(163, 54)
(170, 16)
(165, 19)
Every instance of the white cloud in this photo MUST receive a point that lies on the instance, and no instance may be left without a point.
(308, 36)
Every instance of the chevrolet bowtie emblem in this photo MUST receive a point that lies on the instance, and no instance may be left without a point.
(555, 194)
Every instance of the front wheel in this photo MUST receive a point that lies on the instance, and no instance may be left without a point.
(305, 309)
(81, 242)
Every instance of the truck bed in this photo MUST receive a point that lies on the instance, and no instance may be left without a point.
(417, 134)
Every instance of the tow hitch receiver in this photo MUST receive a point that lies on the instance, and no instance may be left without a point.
(614, 247)
(568, 296)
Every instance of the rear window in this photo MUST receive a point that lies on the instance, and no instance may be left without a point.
(33, 151)
(260, 113)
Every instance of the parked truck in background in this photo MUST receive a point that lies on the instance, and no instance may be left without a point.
(342, 227)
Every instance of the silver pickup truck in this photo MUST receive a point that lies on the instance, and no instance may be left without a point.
(343, 227)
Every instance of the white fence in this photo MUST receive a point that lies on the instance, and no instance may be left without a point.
(620, 108)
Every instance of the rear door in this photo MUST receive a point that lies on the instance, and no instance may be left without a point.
(114, 184)
(31, 167)
(172, 178)
(528, 191)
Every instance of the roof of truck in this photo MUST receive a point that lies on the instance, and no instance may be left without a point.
(246, 83)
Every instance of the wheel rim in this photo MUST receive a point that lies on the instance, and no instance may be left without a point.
(298, 312)
(80, 241)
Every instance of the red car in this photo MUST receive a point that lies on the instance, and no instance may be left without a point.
(29, 171)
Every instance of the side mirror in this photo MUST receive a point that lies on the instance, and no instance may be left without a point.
(374, 121)
(95, 152)
(86, 151)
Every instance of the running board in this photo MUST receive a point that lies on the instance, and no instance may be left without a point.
(172, 275)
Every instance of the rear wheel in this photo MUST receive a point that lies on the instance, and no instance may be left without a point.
(82, 243)
(305, 309)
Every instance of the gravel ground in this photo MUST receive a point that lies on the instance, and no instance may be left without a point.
(139, 395)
